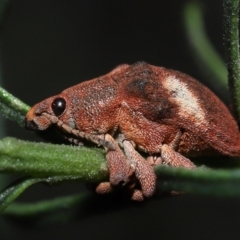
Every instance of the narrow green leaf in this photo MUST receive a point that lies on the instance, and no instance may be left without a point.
(11, 193)
(12, 108)
(12, 102)
(8, 195)
(33, 209)
(12, 114)
(204, 50)
(44, 160)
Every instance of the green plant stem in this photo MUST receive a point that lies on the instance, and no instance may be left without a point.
(231, 42)
(33, 209)
(48, 163)
(11, 107)
(200, 181)
(204, 50)
(46, 160)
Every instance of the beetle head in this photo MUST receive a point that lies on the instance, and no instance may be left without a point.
(41, 115)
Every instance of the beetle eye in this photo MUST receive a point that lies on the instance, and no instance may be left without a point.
(58, 106)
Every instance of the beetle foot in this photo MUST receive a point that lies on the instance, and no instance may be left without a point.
(128, 170)
(121, 171)
(137, 195)
(104, 188)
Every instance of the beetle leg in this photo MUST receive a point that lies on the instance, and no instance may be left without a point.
(77, 133)
(175, 159)
(175, 142)
(156, 159)
(119, 169)
(143, 171)
(74, 141)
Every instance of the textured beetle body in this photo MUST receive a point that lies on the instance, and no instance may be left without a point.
(175, 99)
(162, 112)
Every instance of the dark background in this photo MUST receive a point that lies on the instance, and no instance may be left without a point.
(47, 46)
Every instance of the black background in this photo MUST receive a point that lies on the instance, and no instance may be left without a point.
(47, 46)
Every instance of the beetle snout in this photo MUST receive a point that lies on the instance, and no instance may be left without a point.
(35, 121)
(30, 125)
(29, 122)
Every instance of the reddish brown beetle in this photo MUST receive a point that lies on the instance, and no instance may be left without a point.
(162, 112)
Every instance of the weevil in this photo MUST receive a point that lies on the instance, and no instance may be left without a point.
(138, 108)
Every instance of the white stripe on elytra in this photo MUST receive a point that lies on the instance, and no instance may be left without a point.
(183, 97)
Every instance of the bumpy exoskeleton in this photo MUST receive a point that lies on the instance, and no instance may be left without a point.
(164, 113)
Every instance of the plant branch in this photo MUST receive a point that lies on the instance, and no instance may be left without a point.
(231, 42)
